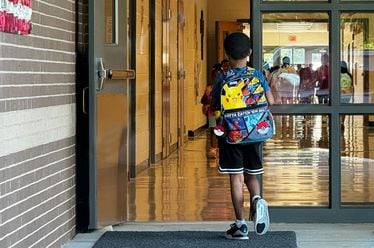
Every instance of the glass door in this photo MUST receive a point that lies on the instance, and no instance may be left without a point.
(316, 56)
(296, 64)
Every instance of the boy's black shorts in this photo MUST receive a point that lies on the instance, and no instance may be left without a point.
(245, 158)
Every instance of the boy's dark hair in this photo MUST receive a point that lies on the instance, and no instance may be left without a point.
(237, 45)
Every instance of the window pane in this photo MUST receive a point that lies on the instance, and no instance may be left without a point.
(357, 58)
(296, 162)
(296, 57)
(357, 160)
(110, 21)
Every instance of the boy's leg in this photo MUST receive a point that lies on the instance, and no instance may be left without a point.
(253, 184)
(237, 197)
(259, 207)
(230, 163)
(239, 229)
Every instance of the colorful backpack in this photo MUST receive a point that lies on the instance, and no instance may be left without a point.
(245, 114)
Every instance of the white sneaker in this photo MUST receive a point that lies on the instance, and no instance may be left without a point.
(261, 219)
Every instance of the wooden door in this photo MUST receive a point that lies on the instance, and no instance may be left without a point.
(166, 78)
(223, 29)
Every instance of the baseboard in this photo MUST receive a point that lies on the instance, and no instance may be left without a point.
(196, 132)
(141, 167)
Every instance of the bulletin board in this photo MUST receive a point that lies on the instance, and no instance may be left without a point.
(15, 16)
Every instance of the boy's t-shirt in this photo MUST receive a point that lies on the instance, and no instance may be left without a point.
(216, 92)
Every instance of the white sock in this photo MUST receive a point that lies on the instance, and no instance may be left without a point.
(255, 197)
(239, 223)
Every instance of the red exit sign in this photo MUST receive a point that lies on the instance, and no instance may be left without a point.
(292, 37)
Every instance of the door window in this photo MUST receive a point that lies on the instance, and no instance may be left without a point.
(296, 161)
(357, 58)
(110, 20)
(296, 57)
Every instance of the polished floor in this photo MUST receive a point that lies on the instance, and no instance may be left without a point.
(187, 187)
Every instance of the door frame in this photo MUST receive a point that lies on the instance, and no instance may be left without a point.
(181, 72)
(335, 212)
(152, 82)
(132, 84)
(166, 78)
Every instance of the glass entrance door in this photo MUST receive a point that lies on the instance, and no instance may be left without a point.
(317, 59)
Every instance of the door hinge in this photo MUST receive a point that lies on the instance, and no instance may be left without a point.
(181, 20)
(167, 15)
(181, 74)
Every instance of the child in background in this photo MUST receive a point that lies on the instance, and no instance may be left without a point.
(206, 101)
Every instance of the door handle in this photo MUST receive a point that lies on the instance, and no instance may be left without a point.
(84, 100)
(168, 76)
(121, 74)
(112, 74)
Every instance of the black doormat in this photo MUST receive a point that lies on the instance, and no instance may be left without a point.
(189, 239)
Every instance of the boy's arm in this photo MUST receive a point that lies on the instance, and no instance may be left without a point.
(268, 94)
(269, 97)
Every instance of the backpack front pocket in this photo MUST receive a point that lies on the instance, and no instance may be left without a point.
(249, 126)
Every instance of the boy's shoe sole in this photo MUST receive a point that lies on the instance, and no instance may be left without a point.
(261, 218)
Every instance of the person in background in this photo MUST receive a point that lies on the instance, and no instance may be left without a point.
(346, 83)
(206, 101)
(298, 68)
(243, 162)
(323, 79)
(225, 66)
(284, 83)
(346, 87)
(307, 87)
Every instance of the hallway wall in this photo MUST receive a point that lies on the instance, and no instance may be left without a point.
(37, 129)
(195, 72)
(142, 80)
(196, 68)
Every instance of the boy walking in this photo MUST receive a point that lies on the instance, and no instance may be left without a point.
(243, 162)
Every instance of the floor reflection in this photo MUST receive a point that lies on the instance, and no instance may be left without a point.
(187, 187)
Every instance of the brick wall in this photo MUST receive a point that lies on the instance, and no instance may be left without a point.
(37, 129)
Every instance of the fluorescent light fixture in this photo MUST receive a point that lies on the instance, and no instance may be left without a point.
(294, 26)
